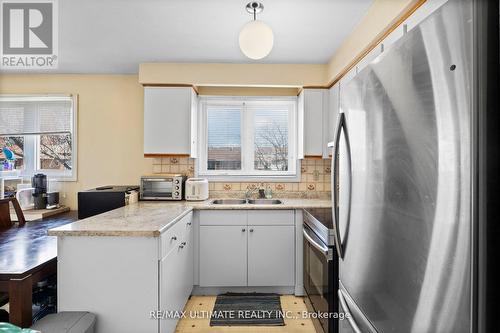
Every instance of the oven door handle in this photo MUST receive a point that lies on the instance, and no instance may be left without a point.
(323, 249)
(343, 305)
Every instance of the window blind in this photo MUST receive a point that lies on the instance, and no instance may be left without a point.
(35, 115)
(224, 137)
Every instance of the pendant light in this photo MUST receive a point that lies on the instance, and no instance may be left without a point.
(256, 37)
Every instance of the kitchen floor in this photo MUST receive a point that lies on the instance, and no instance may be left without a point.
(206, 303)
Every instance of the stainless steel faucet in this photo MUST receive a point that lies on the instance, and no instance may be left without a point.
(257, 189)
(249, 191)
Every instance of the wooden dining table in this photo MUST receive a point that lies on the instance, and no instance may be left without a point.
(28, 255)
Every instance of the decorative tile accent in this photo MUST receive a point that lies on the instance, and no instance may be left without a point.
(315, 179)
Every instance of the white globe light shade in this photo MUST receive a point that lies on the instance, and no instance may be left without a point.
(256, 39)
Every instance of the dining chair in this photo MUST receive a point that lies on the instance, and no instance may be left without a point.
(5, 220)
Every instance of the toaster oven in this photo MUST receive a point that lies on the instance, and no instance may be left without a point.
(162, 187)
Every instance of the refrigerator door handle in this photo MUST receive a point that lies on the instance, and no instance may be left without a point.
(338, 246)
(341, 126)
(345, 309)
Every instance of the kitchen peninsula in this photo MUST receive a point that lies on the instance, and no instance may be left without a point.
(154, 255)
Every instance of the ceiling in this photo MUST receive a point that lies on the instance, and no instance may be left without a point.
(114, 36)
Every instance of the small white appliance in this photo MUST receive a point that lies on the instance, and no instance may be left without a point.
(196, 189)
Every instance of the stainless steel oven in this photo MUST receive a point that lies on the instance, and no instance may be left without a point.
(320, 270)
(162, 187)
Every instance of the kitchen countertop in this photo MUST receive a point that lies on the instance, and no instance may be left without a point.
(150, 219)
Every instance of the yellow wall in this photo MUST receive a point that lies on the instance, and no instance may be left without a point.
(110, 125)
(264, 75)
(381, 15)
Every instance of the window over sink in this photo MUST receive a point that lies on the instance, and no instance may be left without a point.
(244, 138)
(40, 132)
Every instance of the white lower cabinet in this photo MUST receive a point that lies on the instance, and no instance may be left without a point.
(223, 256)
(176, 273)
(271, 260)
(170, 289)
(158, 273)
(187, 271)
(258, 254)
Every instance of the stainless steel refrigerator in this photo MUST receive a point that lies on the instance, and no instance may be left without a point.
(403, 177)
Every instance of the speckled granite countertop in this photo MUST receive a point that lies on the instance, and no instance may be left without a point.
(150, 219)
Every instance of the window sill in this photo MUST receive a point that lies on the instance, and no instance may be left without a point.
(251, 178)
(50, 176)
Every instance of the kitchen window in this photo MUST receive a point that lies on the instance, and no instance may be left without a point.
(248, 138)
(40, 133)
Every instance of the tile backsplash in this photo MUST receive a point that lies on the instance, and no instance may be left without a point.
(315, 179)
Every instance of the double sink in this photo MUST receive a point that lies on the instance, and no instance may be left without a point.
(247, 201)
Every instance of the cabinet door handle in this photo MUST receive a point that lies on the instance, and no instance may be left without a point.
(243, 230)
(174, 238)
(251, 230)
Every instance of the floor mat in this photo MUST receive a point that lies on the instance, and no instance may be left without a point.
(247, 309)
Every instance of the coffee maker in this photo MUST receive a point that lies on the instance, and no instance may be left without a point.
(39, 184)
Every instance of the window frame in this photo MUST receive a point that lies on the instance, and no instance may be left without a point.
(32, 144)
(247, 172)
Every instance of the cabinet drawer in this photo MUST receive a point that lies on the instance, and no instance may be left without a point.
(223, 217)
(185, 224)
(174, 236)
(271, 217)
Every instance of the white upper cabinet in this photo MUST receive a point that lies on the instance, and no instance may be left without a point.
(367, 59)
(170, 121)
(315, 113)
(423, 12)
(300, 125)
(345, 81)
(393, 37)
(348, 77)
(411, 22)
(333, 112)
